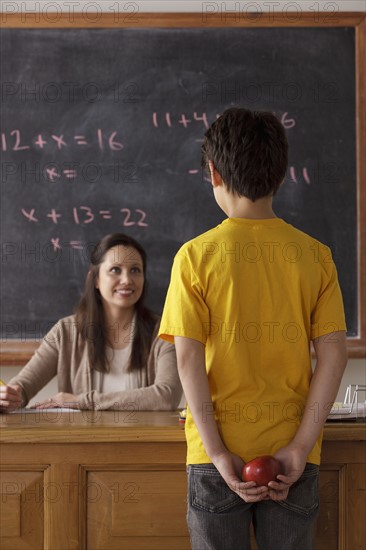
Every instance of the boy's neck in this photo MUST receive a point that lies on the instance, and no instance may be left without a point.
(241, 207)
(236, 206)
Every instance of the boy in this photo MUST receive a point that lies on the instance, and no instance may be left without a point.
(244, 302)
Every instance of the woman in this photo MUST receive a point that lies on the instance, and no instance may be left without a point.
(107, 355)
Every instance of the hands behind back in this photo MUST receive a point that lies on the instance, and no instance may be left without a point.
(293, 461)
(230, 467)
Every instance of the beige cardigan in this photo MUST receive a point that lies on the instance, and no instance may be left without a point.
(63, 353)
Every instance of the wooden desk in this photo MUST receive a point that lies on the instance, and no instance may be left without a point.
(116, 480)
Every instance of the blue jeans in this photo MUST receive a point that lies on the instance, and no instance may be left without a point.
(218, 519)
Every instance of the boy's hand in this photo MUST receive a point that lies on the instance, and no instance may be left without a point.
(293, 461)
(230, 467)
(10, 398)
(331, 355)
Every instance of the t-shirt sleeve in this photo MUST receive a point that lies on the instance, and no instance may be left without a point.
(328, 314)
(185, 311)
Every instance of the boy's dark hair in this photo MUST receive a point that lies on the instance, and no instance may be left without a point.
(249, 150)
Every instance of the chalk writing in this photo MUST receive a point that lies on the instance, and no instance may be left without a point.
(56, 243)
(27, 171)
(292, 171)
(169, 120)
(13, 141)
(76, 245)
(29, 215)
(181, 119)
(54, 216)
(83, 215)
(52, 174)
(293, 175)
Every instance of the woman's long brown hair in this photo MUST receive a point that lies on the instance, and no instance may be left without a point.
(89, 313)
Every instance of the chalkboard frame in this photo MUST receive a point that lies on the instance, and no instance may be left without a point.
(17, 352)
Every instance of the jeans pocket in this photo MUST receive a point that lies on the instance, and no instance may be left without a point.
(303, 496)
(208, 491)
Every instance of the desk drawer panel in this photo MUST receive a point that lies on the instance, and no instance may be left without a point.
(21, 509)
(143, 508)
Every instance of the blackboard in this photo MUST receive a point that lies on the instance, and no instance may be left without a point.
(101, 132)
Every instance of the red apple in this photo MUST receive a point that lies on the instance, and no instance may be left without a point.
(262, 470)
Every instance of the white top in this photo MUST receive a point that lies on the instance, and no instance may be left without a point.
(119, 378)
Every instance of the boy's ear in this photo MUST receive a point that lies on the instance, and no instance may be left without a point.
(216, 179)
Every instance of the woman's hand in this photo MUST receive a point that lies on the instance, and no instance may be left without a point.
(62, 399)
(230, 467)
(10, 398)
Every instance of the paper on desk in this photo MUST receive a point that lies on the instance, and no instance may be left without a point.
(53, 410)
(340, 410)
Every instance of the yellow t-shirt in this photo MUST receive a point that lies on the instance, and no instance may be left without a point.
(255, 292)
